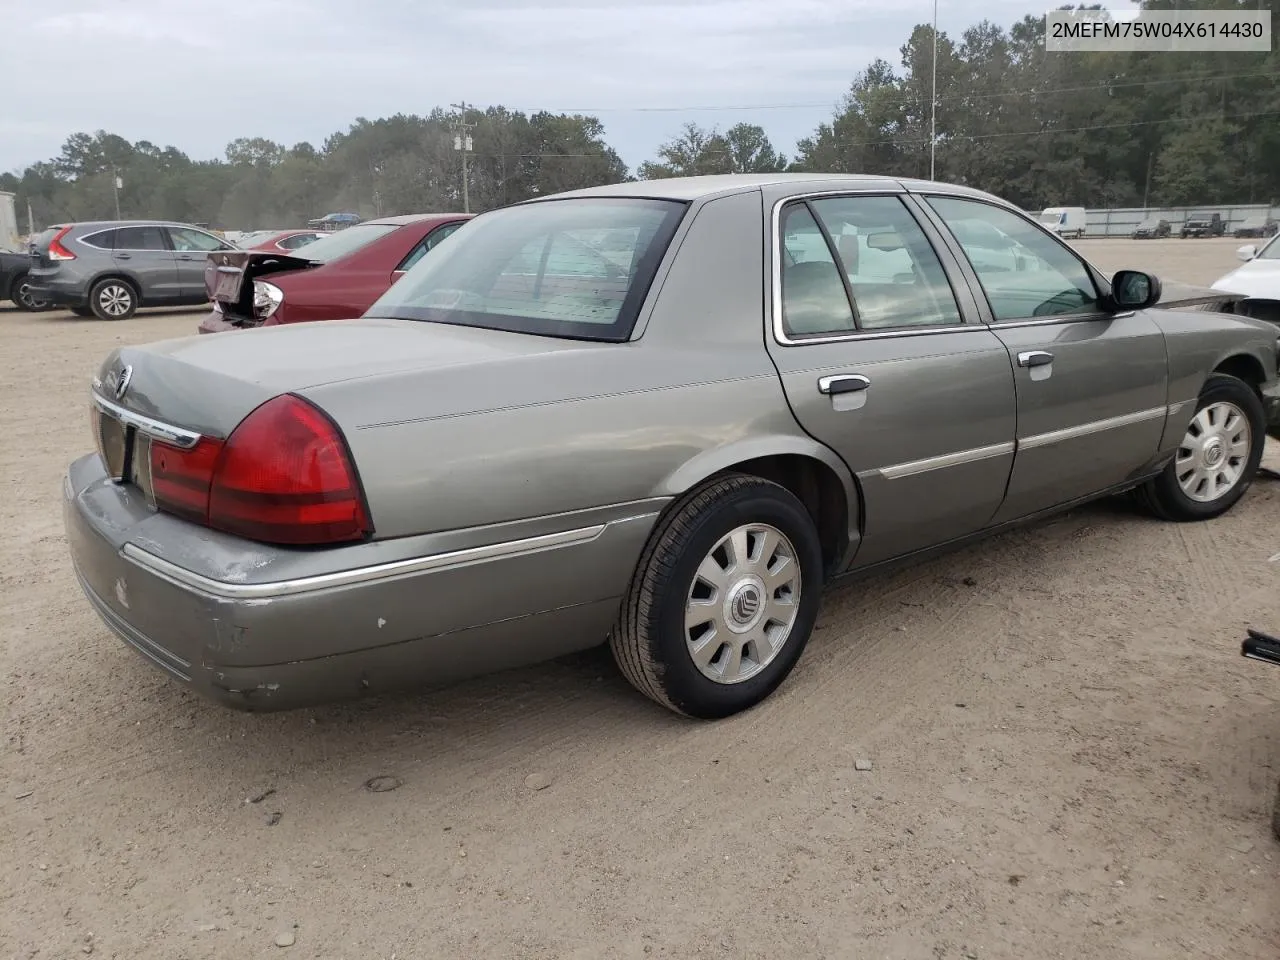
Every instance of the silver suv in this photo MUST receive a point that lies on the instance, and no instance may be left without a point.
(110, 268)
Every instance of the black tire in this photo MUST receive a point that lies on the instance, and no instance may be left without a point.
(23, 298)
(649, 640)
(1275, 813)
(1165, 497)
(113, 299)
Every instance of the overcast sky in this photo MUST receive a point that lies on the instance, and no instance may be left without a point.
(196, 74)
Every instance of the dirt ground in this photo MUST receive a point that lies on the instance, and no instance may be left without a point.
(1070, 758)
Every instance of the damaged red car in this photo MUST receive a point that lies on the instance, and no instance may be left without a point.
(337, 277)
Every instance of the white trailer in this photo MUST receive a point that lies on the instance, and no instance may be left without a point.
(8, 223)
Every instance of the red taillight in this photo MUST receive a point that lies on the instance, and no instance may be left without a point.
(181, 478)
(283, 476)
(56, 250)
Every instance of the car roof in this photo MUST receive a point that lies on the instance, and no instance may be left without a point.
(105, 224)
(699, 188)
(417, 217)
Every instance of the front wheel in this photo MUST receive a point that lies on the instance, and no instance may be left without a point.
(25, 297)
(113, 299)
(1217, 458)
(723, 599)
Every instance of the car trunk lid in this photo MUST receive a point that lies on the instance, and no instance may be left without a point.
(229, 276)
(209, 384)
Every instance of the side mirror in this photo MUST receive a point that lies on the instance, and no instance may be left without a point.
(1134, 290)
(1247, 252)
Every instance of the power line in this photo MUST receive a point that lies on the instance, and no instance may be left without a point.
(1056, 130)
(811, 104)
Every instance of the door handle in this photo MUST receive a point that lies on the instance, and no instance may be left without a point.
(123, 256)
(1035, 358)
(845, 383)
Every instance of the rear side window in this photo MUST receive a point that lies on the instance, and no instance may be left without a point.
(140, 238)
(577, 268)
(427, 243)
(102, 240)
(860, 262)
(298, 240)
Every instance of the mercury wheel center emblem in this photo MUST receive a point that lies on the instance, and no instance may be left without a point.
(746, 604)
(1213, 454)
(123, 383)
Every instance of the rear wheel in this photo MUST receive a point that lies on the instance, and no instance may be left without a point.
(1217, 458)
(723, 599)
(113, 299)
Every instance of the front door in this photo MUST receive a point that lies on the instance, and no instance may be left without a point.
(143, 253)
(1092, 386)
(879, 363)
(191, 250)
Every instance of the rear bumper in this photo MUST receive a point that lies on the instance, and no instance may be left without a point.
(279, 644)
(59, 293)
(215, 322)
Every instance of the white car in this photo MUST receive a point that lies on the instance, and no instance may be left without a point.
(1258, 279)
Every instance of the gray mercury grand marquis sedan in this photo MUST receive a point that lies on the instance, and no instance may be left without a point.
(666, 413)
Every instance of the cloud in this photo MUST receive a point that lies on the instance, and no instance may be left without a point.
(197, 75)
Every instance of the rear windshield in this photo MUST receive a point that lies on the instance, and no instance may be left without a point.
(341, 242)
(577, 268)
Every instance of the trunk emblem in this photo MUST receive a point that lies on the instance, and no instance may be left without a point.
(123, 383)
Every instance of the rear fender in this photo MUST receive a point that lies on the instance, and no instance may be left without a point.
(724, 458)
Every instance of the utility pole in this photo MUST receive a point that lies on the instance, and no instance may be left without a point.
(116, 184)
(933, 97)
(462, 143)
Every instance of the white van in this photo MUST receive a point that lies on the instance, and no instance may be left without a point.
(1067, 221)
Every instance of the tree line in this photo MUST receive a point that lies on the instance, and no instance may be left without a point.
(1039, 128)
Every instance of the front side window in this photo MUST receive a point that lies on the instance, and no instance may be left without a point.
(1023, 271)
(860, 263)
(140, 238)
(552, 268)
(194, 241)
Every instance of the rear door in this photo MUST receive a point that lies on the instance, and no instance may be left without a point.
(1092, 386)
(875, 336)
(191, 255)
(143, 252)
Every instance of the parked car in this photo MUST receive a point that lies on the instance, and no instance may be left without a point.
(1261, 227)
(283, 241)
(13, 281)
(1066, 221)
(1203, 225)
(334, 278)
(1257, 280)
(531, 442)
(1153, 228)
(111, 268)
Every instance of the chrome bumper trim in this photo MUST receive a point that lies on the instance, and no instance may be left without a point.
(432, 563)
(176, 436)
